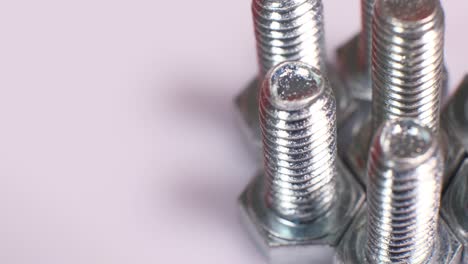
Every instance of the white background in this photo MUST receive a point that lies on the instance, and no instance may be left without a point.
(119, 141)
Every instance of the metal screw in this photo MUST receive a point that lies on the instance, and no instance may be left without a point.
(405, 174)
(289, 30)
(305, 199)
(400, 222)
(298, 122)
(407, 61)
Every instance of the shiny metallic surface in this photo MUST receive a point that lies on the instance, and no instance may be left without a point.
(350, 250)
(356, 137)
(247, 106)
(455, 204)
(408, 73)
(407, 61)
(403, 193)
(304, 196)
(354, 57)
(298, 122)
(289, 30)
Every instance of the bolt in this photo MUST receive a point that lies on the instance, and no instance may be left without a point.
(407, 71)
(403, 193)
(354, 57)
(305, 195)
(291, 30)
(407, 61)
(401, 223)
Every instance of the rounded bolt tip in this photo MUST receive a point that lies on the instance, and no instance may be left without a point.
(293, 85)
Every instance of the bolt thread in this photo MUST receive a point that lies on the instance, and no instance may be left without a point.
(407, 61)
(298, 122)
(289, 30)
(367, 9)
(403, 193)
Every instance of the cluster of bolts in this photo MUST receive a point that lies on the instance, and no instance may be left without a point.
(359, 157)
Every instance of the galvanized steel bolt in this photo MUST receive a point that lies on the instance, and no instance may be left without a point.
(403, 193)
(298, 122)
(407, 71)
(407, 61)
(304, 195)
(403, 198)
(291, 30)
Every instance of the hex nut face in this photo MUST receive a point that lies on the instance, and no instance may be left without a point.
(454, 205)
(456, 113)
(283, 241)
(351, 248)
(356, 80)
(247, 106)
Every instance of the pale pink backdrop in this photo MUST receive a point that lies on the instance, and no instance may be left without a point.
(119, 141)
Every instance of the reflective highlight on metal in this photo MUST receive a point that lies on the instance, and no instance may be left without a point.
(289, 30)
(403, 193)
(455, 204)
(350, 250)
(298, 122)
(305, 196)
(407, 61)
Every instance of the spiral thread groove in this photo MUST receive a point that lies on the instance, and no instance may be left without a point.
(298, 123)
(407, 61)
(290, 30)
(403, 193)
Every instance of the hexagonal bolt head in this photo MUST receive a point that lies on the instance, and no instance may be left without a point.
(283, 241)
(455, 204)
(456, 113)
(350, 250)
(355, 147)
(247, 105)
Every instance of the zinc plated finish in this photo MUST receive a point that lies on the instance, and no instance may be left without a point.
(408, 73)
(405, 170)
(400, 222)
(455, 204)
(304, 198)
(286, 31)
(354, 57)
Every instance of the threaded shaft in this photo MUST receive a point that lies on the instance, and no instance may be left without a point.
(407, 61)
(367, 9)
(403, 193)
(290, 30)
(298, 122)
